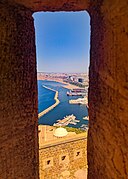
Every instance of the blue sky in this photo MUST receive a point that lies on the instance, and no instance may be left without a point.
(62, 41)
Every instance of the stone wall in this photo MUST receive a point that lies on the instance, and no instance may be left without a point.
(18, 94)
(54, 5)
(108, 91)
(75, 153)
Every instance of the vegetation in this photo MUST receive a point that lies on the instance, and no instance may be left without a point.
(72, 129)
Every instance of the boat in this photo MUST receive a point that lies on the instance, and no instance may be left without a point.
(77, 92)
(80, 101)
(84, 127)
(86, 117)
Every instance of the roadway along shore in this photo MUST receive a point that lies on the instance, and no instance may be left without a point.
(51, 107)
(66, 85)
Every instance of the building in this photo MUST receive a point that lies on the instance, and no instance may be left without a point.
(108, 92)
(62, 154)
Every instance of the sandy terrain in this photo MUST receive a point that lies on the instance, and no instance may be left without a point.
(67, 85)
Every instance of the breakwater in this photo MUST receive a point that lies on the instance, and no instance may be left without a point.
(51, 107)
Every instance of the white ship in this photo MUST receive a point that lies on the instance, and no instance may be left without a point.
(86, 118)
(79, 101)
(84, 127)
(77, 92)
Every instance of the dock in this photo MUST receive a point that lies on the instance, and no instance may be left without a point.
(79, 101)
(71, 119)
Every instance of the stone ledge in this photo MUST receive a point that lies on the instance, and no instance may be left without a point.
(64, 140)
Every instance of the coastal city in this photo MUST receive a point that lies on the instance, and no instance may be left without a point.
(77, 79)
(63, 82)
(64, 89)
(63, 121)
(78, 87)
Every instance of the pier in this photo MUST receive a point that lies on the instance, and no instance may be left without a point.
(70, 119)
(79, 101)
(51, 107)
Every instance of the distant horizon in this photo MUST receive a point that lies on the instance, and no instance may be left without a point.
(62, 41)
(59, 72)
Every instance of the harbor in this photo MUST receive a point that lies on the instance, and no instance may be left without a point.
(63, 109)
(70, 119)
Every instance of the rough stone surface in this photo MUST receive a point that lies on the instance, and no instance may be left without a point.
(65, 169)
(108, 91)
(18, 95)
(51, 5)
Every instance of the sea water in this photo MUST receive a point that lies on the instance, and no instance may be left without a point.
(46, 99)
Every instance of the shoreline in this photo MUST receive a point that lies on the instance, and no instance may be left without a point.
(66, 85)
(52, 106)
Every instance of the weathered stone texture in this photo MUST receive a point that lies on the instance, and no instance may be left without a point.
(58, 169)
(18, 95)
(52, 5)
(108, 91)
